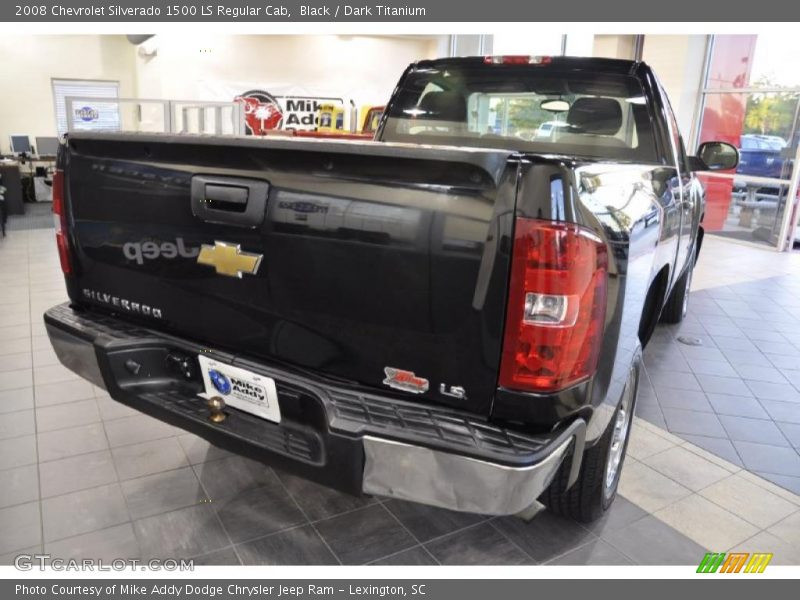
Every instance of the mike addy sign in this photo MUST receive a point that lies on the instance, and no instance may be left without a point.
(264, 111)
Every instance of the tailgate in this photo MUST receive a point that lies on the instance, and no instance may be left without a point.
(357, 261)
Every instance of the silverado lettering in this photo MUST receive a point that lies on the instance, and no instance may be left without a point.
(518, 227)
(122, 303)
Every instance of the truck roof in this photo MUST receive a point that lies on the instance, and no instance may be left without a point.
(608, 65)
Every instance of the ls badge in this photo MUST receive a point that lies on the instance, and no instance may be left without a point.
(228, 259)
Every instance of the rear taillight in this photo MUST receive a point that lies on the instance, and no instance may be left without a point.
(60, 217)
(556, 306)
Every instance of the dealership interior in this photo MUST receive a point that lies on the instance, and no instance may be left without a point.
(713, 461)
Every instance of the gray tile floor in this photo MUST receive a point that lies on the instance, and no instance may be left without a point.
(737, 394)
(83, 476)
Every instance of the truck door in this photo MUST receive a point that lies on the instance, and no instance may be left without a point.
(689, 200)
(684, 191)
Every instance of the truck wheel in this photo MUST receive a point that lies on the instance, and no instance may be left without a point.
(678, 301)
(596, 487)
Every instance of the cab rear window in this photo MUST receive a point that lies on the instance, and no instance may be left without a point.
(534, 109)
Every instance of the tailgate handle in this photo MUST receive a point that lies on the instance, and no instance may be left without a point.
(226, 197)
(234, 201)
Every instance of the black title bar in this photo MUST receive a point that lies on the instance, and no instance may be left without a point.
(408, 11)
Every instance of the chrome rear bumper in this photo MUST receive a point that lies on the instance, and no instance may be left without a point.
(455, 482)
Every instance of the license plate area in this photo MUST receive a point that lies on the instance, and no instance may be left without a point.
(242, 389)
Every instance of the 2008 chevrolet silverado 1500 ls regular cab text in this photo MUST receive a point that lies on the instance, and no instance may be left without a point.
(451, 314)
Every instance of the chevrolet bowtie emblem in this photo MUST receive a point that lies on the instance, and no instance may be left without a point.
(228, 259)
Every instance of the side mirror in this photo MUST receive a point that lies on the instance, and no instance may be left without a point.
(715, 156)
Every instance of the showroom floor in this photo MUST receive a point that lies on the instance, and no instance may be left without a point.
(82, 476)
(737, 393)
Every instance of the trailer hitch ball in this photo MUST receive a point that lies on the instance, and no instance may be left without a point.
(216, 405)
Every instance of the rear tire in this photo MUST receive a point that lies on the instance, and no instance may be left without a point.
(678, 302)
(596, 487)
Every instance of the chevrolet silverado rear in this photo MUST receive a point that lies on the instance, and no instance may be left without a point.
(451, 314)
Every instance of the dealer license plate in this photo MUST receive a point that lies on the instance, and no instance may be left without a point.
(241, 389)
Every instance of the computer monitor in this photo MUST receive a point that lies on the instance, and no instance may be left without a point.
(46, 145)
(20, 144)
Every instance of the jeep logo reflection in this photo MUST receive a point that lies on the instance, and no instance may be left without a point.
(141, 251)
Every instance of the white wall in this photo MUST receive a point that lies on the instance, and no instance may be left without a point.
(365, 68)
(614, 46)
(543, 43)
(678, 62)
(31, 61)
(468, 45)
(579, 44)
(533, 44)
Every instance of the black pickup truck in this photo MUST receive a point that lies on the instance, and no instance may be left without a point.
(452, 313)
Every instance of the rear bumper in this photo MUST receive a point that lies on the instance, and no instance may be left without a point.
(342, 437)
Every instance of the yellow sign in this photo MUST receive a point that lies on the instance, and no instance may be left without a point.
(330, 118)
(228, 259)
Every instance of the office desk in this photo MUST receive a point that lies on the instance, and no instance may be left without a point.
(11, 179)
(13, 172)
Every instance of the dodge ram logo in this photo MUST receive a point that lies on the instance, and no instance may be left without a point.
(262, 112)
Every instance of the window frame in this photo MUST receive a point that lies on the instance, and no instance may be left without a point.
(106, 84)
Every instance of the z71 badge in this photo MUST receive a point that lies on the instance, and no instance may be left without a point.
(405, 380)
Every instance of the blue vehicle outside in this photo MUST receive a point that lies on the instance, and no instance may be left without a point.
(762, 156)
